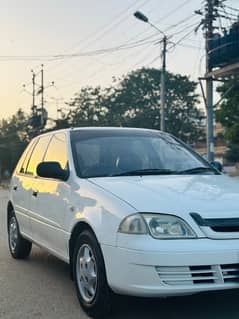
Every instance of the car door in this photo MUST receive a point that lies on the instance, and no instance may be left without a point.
(21, 190)
(51, 200)
(30, 176)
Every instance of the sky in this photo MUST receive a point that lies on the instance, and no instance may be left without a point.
(57, 27)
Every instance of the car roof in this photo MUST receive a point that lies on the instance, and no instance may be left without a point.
(96, 128)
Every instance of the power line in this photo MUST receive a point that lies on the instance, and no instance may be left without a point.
(146, 56)
(181, 39)
(122, 59)
(141, 60)
(97, 35)
(67, 57)
(229, 7)
(185, 28)
(155, 34)
(180, 6)
(77, 54)
(101, 69)
(186, 19)
(160, 20)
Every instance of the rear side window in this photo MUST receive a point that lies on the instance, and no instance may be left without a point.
(22, 164)
(57, 150)
(37, 155)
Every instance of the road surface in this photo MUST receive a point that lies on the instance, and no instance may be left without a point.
(41, 288)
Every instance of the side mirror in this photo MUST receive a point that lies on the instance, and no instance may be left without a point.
(217, 165)
(52, 170)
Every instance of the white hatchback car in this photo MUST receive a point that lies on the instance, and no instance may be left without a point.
(133, 211)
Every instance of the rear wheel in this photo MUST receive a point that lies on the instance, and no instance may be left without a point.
(90, 277)
(19, 247)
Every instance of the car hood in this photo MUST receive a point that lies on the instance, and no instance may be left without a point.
(207, 194)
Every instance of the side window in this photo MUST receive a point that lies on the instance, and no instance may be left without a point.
(57, 150)
(21, 166)
(37, 155)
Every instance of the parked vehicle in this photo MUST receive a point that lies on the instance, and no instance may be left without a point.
(133, 211)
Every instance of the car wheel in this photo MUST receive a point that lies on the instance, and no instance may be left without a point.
(19, 247)
(89, 276)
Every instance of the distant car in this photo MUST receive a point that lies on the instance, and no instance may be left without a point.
(133, 211)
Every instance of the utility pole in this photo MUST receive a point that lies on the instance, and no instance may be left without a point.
(207, 22)
(33, 91)
(209, 18)
(162, 93)
(39, 113)
(139, 15)
(42, 96)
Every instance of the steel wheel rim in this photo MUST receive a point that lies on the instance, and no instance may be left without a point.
(13, 233)
(86, 273)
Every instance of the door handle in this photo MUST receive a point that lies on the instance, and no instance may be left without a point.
(35, 193)
(15, 187)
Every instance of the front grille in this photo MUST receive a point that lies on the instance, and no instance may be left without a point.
(217, 224)
(203, 274)
(230, 273)
(225, 229)
(199, 275)
(218, 227)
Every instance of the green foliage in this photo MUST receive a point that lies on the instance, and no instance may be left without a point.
(14, 136)
(233, 153)
(88, 107)
(134, 101)
(228, 116)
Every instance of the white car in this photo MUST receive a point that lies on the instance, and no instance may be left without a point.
(133, 211)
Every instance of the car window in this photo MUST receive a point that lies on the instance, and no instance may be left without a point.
(110, 153)
(57, 150)
(25, 157)
(37, 155)
(174, 155)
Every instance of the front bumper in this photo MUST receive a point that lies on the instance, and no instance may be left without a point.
(171, 267)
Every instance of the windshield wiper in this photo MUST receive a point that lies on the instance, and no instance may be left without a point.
(140, 172)
(196, 170)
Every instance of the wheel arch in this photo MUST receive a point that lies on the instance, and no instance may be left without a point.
(78, 228)
(10, 209)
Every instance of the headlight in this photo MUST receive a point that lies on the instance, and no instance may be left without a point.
(168, 226)
(133, 224)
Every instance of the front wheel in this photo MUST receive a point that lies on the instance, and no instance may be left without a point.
(19, 247)
(90, 276)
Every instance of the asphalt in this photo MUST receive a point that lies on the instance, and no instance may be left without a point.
(40, 287)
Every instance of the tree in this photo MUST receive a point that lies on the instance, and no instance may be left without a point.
(88, 107)
(228, 115)
(134, 101)
(139, 100)
(14, 136)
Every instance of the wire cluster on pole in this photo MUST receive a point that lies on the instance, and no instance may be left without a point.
(214, 11)
(39, 113)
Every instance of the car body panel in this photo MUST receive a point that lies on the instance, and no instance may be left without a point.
(139, 275)
(177, 194)
(21, 192)
(98, 208)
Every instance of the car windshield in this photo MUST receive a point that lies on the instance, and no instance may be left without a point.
(107, 153)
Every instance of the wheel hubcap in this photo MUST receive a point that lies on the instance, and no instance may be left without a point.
(86, 273)
(13, 233)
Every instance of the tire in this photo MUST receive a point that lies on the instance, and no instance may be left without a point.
(89, 276)
(19, 247)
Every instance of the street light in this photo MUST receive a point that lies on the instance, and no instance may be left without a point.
(140, 16)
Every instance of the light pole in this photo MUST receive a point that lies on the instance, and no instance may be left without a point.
(139, 15)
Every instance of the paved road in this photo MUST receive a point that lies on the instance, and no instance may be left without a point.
(40, 288)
